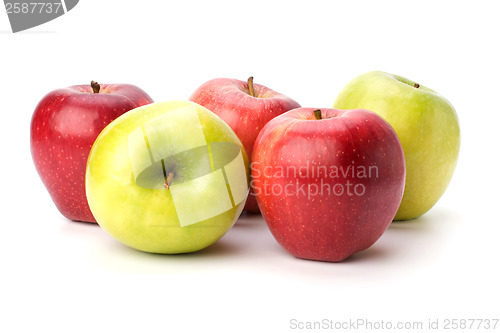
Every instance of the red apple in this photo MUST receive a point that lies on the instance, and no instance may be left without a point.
(328, 182)
(246, 107)
(64, 126)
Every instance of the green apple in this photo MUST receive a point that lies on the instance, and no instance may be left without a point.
(169, 177)
(427, 126)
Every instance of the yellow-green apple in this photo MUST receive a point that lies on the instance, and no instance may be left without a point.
(328, 182)
(64, 126)
(426, 124)
(168, 177)
(246, 107)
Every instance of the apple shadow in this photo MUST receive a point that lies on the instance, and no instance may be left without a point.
(76, 228)
(110, 254)
(249, 220)
(437, 222)
(221, 248)
(117, 257)
(406, 246)
(404, 249)
(416, 241)
(241, 241)
(372, 253)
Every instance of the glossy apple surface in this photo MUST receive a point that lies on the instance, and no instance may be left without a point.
(426, 124)
(328, 185)
(246, 107)
(169, 177)
(64, 126)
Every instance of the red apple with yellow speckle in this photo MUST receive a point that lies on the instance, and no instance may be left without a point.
(64, 126)
(328, 182)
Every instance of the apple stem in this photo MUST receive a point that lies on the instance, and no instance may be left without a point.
(416, 85)
(95, 87)
(168, 181)
(250, 86)
(317, 114)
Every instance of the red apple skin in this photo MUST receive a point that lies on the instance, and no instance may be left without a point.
(64, 126)
(317, 223)
(230, 99)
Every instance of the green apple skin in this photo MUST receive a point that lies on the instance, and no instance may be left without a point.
(146, 218)
(427, 126)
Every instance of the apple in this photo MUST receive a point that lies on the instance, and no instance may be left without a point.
(64, 126)
(246, 107)
(427, 126)
(168, 177)
(328, 182)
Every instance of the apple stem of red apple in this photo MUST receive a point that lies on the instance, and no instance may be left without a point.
(95, 87)
(317, 114)
(416, 85)
(250, 86)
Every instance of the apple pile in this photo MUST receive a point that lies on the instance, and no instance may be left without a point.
(174, 177)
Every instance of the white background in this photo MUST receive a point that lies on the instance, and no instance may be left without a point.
(62, 276)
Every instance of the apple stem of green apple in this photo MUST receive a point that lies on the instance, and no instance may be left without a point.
(250, 86)
(168, 180)
(96, 87)
(416, 85)
(317, 114)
